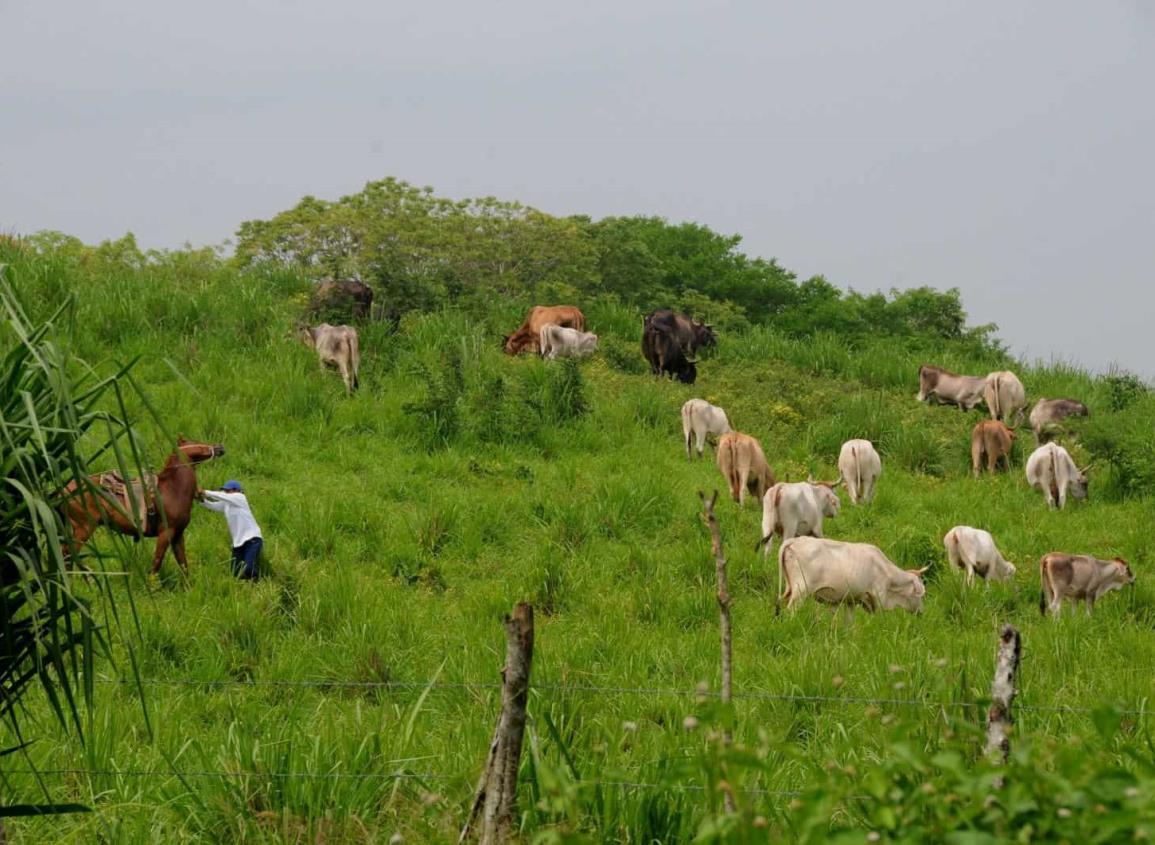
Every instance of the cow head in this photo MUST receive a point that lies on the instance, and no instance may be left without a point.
(1003, 570)
(704, 336)
(305, 334)
(512, 344)
(1123, 573)
(908, 593)
(1079, 484)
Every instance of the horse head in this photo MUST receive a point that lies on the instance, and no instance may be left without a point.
(197, 452)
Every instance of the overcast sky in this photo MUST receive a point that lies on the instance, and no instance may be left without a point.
(1002, 148)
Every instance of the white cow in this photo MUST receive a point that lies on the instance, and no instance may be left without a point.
(561, 342)
(851, 573)
(796, 509)
(1005, 397)
(700, 418)
(1079, 577)
(1051, 470)
(860, 467)
(974, 550)
(337, 345)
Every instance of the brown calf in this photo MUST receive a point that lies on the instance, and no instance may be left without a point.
(995, 440)
(743, 465)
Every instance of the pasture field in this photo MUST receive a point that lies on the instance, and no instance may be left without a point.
(351, 694)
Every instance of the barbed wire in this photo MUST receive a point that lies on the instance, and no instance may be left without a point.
(753, 695)
(424, 776)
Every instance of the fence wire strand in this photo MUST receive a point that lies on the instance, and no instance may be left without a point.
(753, 695)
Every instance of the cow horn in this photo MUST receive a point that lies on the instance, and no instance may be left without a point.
(1087, 468)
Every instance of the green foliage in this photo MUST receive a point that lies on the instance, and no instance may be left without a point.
(1123, 441)
(53, 409)
(1123, 390)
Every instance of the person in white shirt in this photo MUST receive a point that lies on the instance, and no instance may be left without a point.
(245, 533)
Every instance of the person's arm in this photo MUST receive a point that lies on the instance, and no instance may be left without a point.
(213, 501)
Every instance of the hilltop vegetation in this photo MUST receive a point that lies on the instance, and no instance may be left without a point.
(402, 523)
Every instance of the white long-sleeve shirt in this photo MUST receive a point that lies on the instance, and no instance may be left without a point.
(242, 526)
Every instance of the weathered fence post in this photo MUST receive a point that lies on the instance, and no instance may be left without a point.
(496, 797)
(999, 719)
(724, 616)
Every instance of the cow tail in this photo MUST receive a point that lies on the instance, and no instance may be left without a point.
(1054, 479)
(996, 409)
(687, 427)
(857, 475)
(355, 359)
(1043, 586)
(733, 476)
(783, 577)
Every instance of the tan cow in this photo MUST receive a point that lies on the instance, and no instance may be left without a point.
(743, 465)
(528, 334)
(1005, 396)
(1077, 577)
(949, 389)
(336, 345)
(995, 440)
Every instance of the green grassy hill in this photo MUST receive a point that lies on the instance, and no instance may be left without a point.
(403, 523)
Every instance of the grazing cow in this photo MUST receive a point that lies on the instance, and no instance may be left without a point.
(688, 332)
(975, 551)
(860, 468)
(948, 388)
(995, 440)
(335, 298)
(850, 573)
(528, 334)
(559, 342)
(795, 510)
(1077, 577)
(1051, 470)
(743, 465)
(701, 419)
(1005, 396)
(1047, 415)
(336, 345)
(666, 356)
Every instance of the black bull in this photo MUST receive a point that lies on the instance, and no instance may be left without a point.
(665, 355)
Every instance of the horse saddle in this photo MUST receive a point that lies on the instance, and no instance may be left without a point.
(142, 495)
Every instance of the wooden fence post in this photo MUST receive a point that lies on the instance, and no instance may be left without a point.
(999, 719)
(724, 617)
(496, 797)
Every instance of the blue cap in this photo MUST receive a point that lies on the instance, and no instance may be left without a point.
(232, 484)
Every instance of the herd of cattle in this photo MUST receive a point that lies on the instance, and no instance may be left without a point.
(809, 565)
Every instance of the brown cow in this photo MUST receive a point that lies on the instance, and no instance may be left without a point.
(1079, 577)
(995, 440)
(1047, 415)
(528, 335)
(743, 465)
(334, 296)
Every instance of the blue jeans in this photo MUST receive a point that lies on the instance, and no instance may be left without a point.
(246, 559)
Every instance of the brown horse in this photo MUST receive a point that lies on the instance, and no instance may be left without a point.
(168, 498)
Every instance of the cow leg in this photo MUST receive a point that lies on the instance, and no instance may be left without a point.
(976, 457)
(744, 478)
(700, 435)
(868, 492)
(992, 463)
(162, 541)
